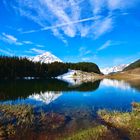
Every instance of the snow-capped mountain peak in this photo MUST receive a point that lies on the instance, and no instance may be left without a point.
(46, 57)
(113, 69)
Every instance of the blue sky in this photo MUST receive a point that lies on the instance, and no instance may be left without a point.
(106, 32)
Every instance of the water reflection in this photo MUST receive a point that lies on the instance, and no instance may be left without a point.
(135, 84)
(116, 84)
(12, 90)
(121, 84)
(109, 94)
(46, 97)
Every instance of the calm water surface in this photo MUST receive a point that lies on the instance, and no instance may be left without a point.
(78, 102)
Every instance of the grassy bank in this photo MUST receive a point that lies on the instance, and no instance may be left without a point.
(17, 120)
(89, 134)
(14, 118)
(129, 75)
(128, 124)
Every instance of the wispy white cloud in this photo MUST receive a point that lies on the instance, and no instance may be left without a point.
(86, 54)
(62, 25)
(28, 42)
(105, 45)
(10, 39)
(103, 26)
(83, 51)
(86, 59)
(97, 6)
(40, 46)
(59, 35)
(65, 18)
(109, 43)
(91, 58)
(37, 51)
(121, 4)
(6, 52)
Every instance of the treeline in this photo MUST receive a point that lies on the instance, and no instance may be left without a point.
(19, 68)
(84, 66)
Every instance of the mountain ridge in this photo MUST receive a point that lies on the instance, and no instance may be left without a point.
(114, 69)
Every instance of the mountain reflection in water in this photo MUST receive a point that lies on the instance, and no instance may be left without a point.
(22, 89)
(107, 93)
(99, 94)
(46, 97)
(116, 84)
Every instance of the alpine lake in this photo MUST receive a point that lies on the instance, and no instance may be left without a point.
(55, 109)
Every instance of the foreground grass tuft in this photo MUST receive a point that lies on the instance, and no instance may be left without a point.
(18, 119)
(89, 134)
(127, 123)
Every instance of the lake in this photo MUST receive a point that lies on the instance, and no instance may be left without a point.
(77, 102)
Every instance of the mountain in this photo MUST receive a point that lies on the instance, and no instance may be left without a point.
(46, 57)
(114, 69)
(133, 65)
(131, 74)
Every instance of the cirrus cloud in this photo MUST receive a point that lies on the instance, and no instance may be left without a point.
(69, 18)
(10, 39)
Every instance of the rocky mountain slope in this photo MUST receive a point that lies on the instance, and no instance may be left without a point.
(114, 69)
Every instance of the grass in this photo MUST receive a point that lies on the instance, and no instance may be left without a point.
(89, 134)
(127, 123)
(129, 76)
(14, 118)
(18, 119)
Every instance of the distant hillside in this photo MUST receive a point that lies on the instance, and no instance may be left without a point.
(134, 65)
(127, 75)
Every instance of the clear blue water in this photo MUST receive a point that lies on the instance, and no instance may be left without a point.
(106, 94)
